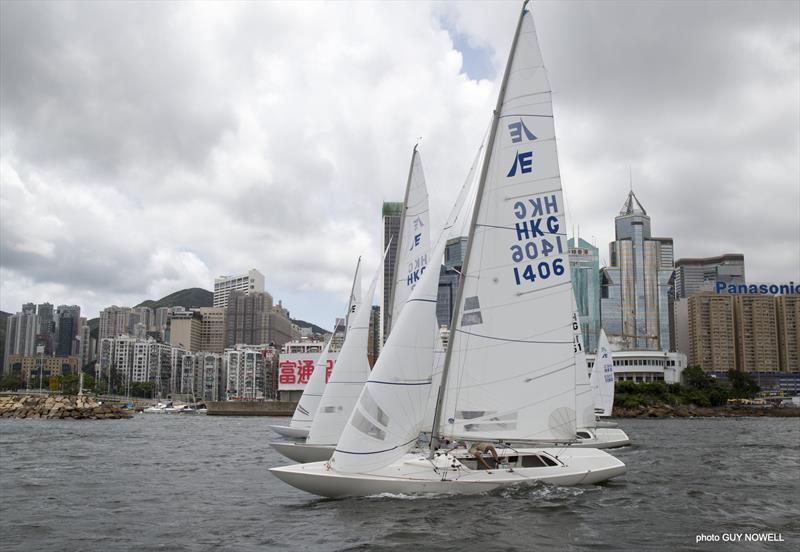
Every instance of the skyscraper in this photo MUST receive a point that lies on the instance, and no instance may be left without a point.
(697, 275)
(789, 332)
(634, 302)
(21, 331)
(247, 318)
(392, 214)
(756, 333)
(68, 326)
(584, 261)
(712, 342)
(449, 279)
(252, 282)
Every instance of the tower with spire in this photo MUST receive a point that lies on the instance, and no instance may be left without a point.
(634, 300)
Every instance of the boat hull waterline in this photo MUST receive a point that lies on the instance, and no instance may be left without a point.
(290, 432)
(415, 474)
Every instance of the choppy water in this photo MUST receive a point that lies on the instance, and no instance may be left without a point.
(164, 482)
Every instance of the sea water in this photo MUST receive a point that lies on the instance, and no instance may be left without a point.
(195, 483)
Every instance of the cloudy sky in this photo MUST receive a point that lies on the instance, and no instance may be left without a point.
(149, 147)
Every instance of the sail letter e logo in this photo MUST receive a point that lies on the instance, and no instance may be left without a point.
(516, 130)
(525, 162)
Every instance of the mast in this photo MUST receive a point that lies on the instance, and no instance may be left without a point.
(390, 304)
(475, 211)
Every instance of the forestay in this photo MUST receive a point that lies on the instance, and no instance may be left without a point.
(510, 370)
(347, 378)
(603, 377)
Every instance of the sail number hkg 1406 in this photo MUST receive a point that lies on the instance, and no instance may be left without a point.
(537, 232)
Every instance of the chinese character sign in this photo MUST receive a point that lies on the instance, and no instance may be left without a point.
(295, 369)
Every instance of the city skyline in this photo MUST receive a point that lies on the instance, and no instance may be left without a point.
(266, 144)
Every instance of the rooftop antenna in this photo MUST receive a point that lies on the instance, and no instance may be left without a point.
(630, 177)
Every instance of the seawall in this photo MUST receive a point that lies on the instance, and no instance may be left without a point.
(243, 408)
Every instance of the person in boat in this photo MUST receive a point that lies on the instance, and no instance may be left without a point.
(479, 449)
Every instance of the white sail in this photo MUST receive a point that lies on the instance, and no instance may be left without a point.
(309, 401)
(584, 398)
(414, 245)
(387, 418)
(355, 298)
(510, 370)
(603, 377)
(347, 377)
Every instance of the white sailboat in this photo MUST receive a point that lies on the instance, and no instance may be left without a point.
(509, 372)
(344, 386)
(309, 401)
(590, 432)
(413, 248)
(307, 406)
(602, 380)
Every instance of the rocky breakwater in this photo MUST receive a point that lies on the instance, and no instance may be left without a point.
(58, 407)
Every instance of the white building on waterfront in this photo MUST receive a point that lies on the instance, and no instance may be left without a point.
(646, 366)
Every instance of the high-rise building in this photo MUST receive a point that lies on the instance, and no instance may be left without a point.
(280, 326)
(47, 323)
(584, 261)
(698, 275)
(693, 276)
(449, 279)
(186, 330)
(789, 332)
(392, 214)
(712, 332)
(634, 290)
(756, 333)
(160, 320)
(245, 375)
(212, 329)
(247, 318)
(68, 326)
(252, 282)
(116, 321)
(21, 329)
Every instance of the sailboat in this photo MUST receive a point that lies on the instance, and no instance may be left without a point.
(307, 406)
(344, 386)
(590, 432)
(509, 370)
(413, 248)
(602, 381)
(309, 401)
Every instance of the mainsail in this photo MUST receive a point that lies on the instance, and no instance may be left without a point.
(510, 368)
(414, 243)
(603, 377)
(347, 378)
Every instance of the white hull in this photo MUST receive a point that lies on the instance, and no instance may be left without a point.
(290, 432)
(303, 453)
(603, 438)
(415, 474)
(606, 423)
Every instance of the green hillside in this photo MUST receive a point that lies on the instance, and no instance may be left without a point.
(192, 297)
